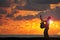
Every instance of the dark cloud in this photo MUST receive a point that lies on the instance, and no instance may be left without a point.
(44, 1)
(15, 1)
(18, 18)
(4, 3)
(57, 13)
(9, 15)
(31, 5)
(12, 13)
(2, 11)
(28, 17)
(54, 13)
(40, 5)
(44, 15)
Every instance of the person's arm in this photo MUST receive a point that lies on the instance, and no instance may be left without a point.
(41, 17)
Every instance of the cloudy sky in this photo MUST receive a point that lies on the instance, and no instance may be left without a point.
(32, 5)
(27, 12)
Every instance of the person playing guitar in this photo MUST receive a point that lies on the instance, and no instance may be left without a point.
(46, 26)
(42, 22)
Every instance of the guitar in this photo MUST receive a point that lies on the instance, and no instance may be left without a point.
(42, 22)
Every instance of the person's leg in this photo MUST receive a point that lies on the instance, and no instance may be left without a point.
(46, 34)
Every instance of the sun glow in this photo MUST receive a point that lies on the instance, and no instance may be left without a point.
(51, 21)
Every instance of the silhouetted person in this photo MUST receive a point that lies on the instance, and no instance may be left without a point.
(46, 26)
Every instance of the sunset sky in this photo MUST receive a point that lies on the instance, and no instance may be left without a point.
(23, 16)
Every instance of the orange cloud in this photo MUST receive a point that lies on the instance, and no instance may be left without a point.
(58, 4)
(26, 12)
(53, 6)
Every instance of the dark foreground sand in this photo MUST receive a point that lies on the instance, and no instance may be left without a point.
(37, 37)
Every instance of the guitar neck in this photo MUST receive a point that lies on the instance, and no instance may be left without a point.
(41, 18)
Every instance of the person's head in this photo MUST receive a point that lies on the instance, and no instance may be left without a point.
(49, 18)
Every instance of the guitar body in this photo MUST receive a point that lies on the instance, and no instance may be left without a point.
(42, 25)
